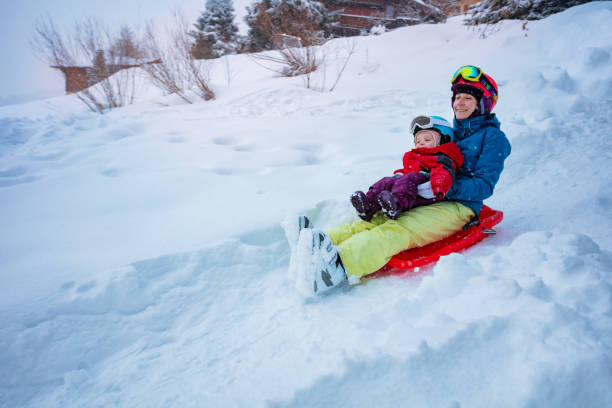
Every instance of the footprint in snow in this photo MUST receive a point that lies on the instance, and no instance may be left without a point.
(224, 141)
(308, 147)
(16, 171)
(48, 156)
(226, 172)
(67, 285)
(112, 172)
(244, 148)
(86, 286)
(8, 182)
(310, 160)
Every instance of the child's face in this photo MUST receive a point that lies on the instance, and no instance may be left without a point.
(426, 138)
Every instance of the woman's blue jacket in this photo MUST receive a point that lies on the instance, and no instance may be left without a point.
(485, 148)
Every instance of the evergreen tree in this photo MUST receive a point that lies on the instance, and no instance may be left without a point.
(216, 33)
(493, 11)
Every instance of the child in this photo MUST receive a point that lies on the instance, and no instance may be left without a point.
(435, 159)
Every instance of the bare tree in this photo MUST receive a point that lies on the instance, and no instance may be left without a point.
(176, 71)
(106, 81)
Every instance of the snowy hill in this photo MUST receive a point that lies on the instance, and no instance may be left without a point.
(143, 263)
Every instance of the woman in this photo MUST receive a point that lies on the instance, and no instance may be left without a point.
(321, 261)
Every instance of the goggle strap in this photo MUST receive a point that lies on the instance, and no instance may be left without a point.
(435, 121)
(489, 87)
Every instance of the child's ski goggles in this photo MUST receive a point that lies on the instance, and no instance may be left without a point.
(426, 122)
(470, 73)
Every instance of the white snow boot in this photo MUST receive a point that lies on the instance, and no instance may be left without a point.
(293, 226)
(318, 264)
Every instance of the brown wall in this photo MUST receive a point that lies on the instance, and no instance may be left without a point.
(361, 11)
(461, 7)
(77, 78)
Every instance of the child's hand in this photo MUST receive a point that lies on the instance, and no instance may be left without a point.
(425, 190)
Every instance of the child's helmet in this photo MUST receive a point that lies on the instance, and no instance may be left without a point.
(472, 80)
(433, 122)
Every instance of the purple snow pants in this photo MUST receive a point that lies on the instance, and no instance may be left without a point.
(404, 188)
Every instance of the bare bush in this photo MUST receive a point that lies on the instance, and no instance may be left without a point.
(98, 55)
(197, 70)
(176, 71)
(295, 30)
(118, 89)
(168, 73)
(344, 55)
(313, 62)
(51, 46)
(337, 56)
(292, 58)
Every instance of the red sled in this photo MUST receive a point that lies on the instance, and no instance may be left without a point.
(472, 233)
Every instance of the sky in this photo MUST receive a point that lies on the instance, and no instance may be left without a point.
(23, 76)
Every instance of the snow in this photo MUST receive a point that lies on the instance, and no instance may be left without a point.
(143, 262)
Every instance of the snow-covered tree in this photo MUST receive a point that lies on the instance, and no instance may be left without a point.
(268, 20)
(216, 34)
(423, 11)
(493, 11)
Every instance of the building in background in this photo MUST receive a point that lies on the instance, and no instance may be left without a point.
(79, 78)
(460, 7)
(356, 16)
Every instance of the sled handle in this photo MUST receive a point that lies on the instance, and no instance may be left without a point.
(473, 223)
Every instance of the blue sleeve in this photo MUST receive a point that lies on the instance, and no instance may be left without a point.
(479, 185)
